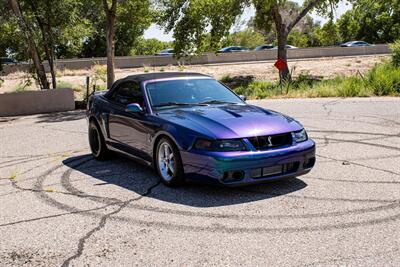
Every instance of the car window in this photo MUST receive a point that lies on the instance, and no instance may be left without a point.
(189, 91)
(128, 93)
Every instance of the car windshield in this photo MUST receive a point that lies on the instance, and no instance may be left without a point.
(166, 94)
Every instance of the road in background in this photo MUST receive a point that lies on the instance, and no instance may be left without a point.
(60, 207)
(210, 58)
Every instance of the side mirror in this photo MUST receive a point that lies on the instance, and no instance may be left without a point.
(134, 108)
(243, 97)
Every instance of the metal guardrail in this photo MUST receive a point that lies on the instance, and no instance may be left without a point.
(212, 58)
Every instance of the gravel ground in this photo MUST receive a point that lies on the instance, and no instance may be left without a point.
(61, 207)
(324, 67)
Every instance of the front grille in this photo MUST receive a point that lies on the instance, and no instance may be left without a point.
(271, 141)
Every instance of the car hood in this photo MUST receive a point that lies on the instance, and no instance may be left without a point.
(231, 121)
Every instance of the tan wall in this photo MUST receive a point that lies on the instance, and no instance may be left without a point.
(35, 102)
(212, 58)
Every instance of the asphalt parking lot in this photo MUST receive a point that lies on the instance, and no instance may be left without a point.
(60, 207)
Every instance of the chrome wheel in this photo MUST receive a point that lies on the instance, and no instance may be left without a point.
(166, 161)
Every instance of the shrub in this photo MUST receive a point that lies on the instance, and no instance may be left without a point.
(351, 87)
(396, 53)
(62, 84)
(258, 90)
(98, 74)
(384, 79)
(23, 85)
(226, 79)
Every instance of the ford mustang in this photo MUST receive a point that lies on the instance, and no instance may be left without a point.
(189, 126)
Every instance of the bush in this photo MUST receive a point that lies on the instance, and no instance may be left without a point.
(98, 74)
(384, 79)
(396, 53)
(62, 85)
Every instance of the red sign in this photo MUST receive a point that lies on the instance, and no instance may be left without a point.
(280, 64)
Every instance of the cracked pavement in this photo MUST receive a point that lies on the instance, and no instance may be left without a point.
(59, 207)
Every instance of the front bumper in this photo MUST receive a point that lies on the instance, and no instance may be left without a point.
(217, 167)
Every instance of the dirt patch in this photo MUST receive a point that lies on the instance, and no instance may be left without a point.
(324, 67)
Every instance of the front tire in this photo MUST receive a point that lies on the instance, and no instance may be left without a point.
(97, 143)
(169, 163)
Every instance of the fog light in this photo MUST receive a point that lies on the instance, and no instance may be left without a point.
(309, 163)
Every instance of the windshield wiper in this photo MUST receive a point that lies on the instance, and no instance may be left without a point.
(216, 102)
(175, 104)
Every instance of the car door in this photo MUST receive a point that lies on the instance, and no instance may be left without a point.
(128, 131)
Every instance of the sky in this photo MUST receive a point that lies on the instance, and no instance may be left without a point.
(156, 32)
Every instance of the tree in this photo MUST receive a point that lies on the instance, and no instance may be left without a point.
(190, 20)
(53, 19)
(149, 46)
(32, 46)
(247, 38)
(110, 33)
(375, 21)
(328, 35)
(276, 14)
(135, 16)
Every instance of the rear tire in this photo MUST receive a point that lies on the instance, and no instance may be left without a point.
(97, 143)
(169, 163)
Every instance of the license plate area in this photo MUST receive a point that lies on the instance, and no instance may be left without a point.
(274, 170)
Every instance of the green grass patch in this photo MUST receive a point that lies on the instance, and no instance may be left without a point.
(63, 84)
(381, 80)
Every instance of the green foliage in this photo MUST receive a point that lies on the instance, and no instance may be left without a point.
(395, 47)
(328, 35)
(375, 21)
(77, 27)
(23, 85)
(98, 75)
(247, 38)
(64, 84)
(382, 80)
(226, 79)
(132, 18)
(149, 46)
(199, 25)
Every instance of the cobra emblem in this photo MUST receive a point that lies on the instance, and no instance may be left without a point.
(269, 141)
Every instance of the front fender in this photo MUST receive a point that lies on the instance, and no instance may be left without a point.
(181, 136)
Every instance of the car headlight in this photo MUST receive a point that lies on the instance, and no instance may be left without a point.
(300, 136)
(220, 145)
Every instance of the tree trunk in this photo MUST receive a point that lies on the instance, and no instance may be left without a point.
(110, 33)
(282, 53)
(48, 46)
(40, 71)
(110, 51)
(50, 56)
(50, 43)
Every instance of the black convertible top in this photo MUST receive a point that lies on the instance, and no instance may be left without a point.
(153, 76)
(162, 75)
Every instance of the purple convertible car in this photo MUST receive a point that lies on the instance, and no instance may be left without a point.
(191, 127)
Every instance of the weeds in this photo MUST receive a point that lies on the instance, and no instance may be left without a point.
(382, 80)
(98, 75)
(395, 47)
(63, 84)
